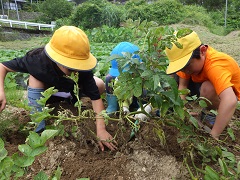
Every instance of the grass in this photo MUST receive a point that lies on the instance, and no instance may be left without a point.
(23, 44)
(228, 44)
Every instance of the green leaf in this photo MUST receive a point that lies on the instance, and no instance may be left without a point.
(185, 92)
(37, 151)
(22, 161)
(223, 167)
(194, 121)
(18, 170)
(6, 165)
(183, 32)
(146, 73)
(46, 95)
(180, 111)
(3, 154)
(203, 103)
(230, 156)
(1, 144)
(210, 174)
(41, 176)
(25, 149)
(156, 101)
(47, 134)
(34, 140)
(39, 116)
(238, 168)
(231, 133)
(137, 90)
(3, 151)
(156, 80)
(58, 173)
(164, 108)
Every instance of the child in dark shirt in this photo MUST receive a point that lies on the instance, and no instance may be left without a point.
(68, 51)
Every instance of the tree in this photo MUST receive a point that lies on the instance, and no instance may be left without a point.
(56, 9)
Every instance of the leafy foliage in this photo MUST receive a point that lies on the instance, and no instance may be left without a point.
(95, 13)
(198, 15)
(162, 12)
(13, 166)
(111, 34)
(55, 9)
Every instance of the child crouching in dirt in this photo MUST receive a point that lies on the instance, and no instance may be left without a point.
(68, 51)
(218, 73)
(113, 106)
(119, 49)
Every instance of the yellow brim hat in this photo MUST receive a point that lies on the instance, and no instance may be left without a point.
(69, 46)
(179, 57)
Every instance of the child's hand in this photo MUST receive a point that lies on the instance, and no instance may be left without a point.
(194, 113)
(106, 139)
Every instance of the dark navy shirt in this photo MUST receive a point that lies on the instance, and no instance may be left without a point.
(45, 70)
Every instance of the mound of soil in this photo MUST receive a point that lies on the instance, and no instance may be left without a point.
(141, 158)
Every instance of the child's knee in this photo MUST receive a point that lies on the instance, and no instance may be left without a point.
(100, 84)
(207, 89)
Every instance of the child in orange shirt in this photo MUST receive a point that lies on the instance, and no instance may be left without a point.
(218, 72)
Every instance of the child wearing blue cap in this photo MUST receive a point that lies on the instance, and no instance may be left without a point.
(114, 73)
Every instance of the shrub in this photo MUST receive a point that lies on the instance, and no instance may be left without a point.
(30, 7)
(55, 9)
(86, 15)
(112, 15)
(135, 9)
(197, 15)
(62, 22)
(95, 13)
(110, 34)
(163, 12)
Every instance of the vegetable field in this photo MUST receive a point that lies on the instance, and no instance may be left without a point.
(171, 146)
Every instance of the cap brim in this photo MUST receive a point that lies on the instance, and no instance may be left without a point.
(74, 64)
(114, 72)
(179, 64)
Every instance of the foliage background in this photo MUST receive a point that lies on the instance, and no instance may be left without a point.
(96, 13)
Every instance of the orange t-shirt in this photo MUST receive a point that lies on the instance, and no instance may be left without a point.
(220, 69)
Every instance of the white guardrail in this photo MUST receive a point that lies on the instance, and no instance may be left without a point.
(26, 24)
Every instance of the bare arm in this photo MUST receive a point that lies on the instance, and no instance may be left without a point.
(3, 72)
(102, 134)
(227, 106)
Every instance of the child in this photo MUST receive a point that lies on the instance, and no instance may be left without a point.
(218, 72)
(121, 48)
(68, 51)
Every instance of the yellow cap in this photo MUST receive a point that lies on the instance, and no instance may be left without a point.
(179, 57)
(69, 46)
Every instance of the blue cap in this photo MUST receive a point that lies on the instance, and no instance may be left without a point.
(121, 47)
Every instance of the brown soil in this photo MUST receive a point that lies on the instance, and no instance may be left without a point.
(144, 157)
